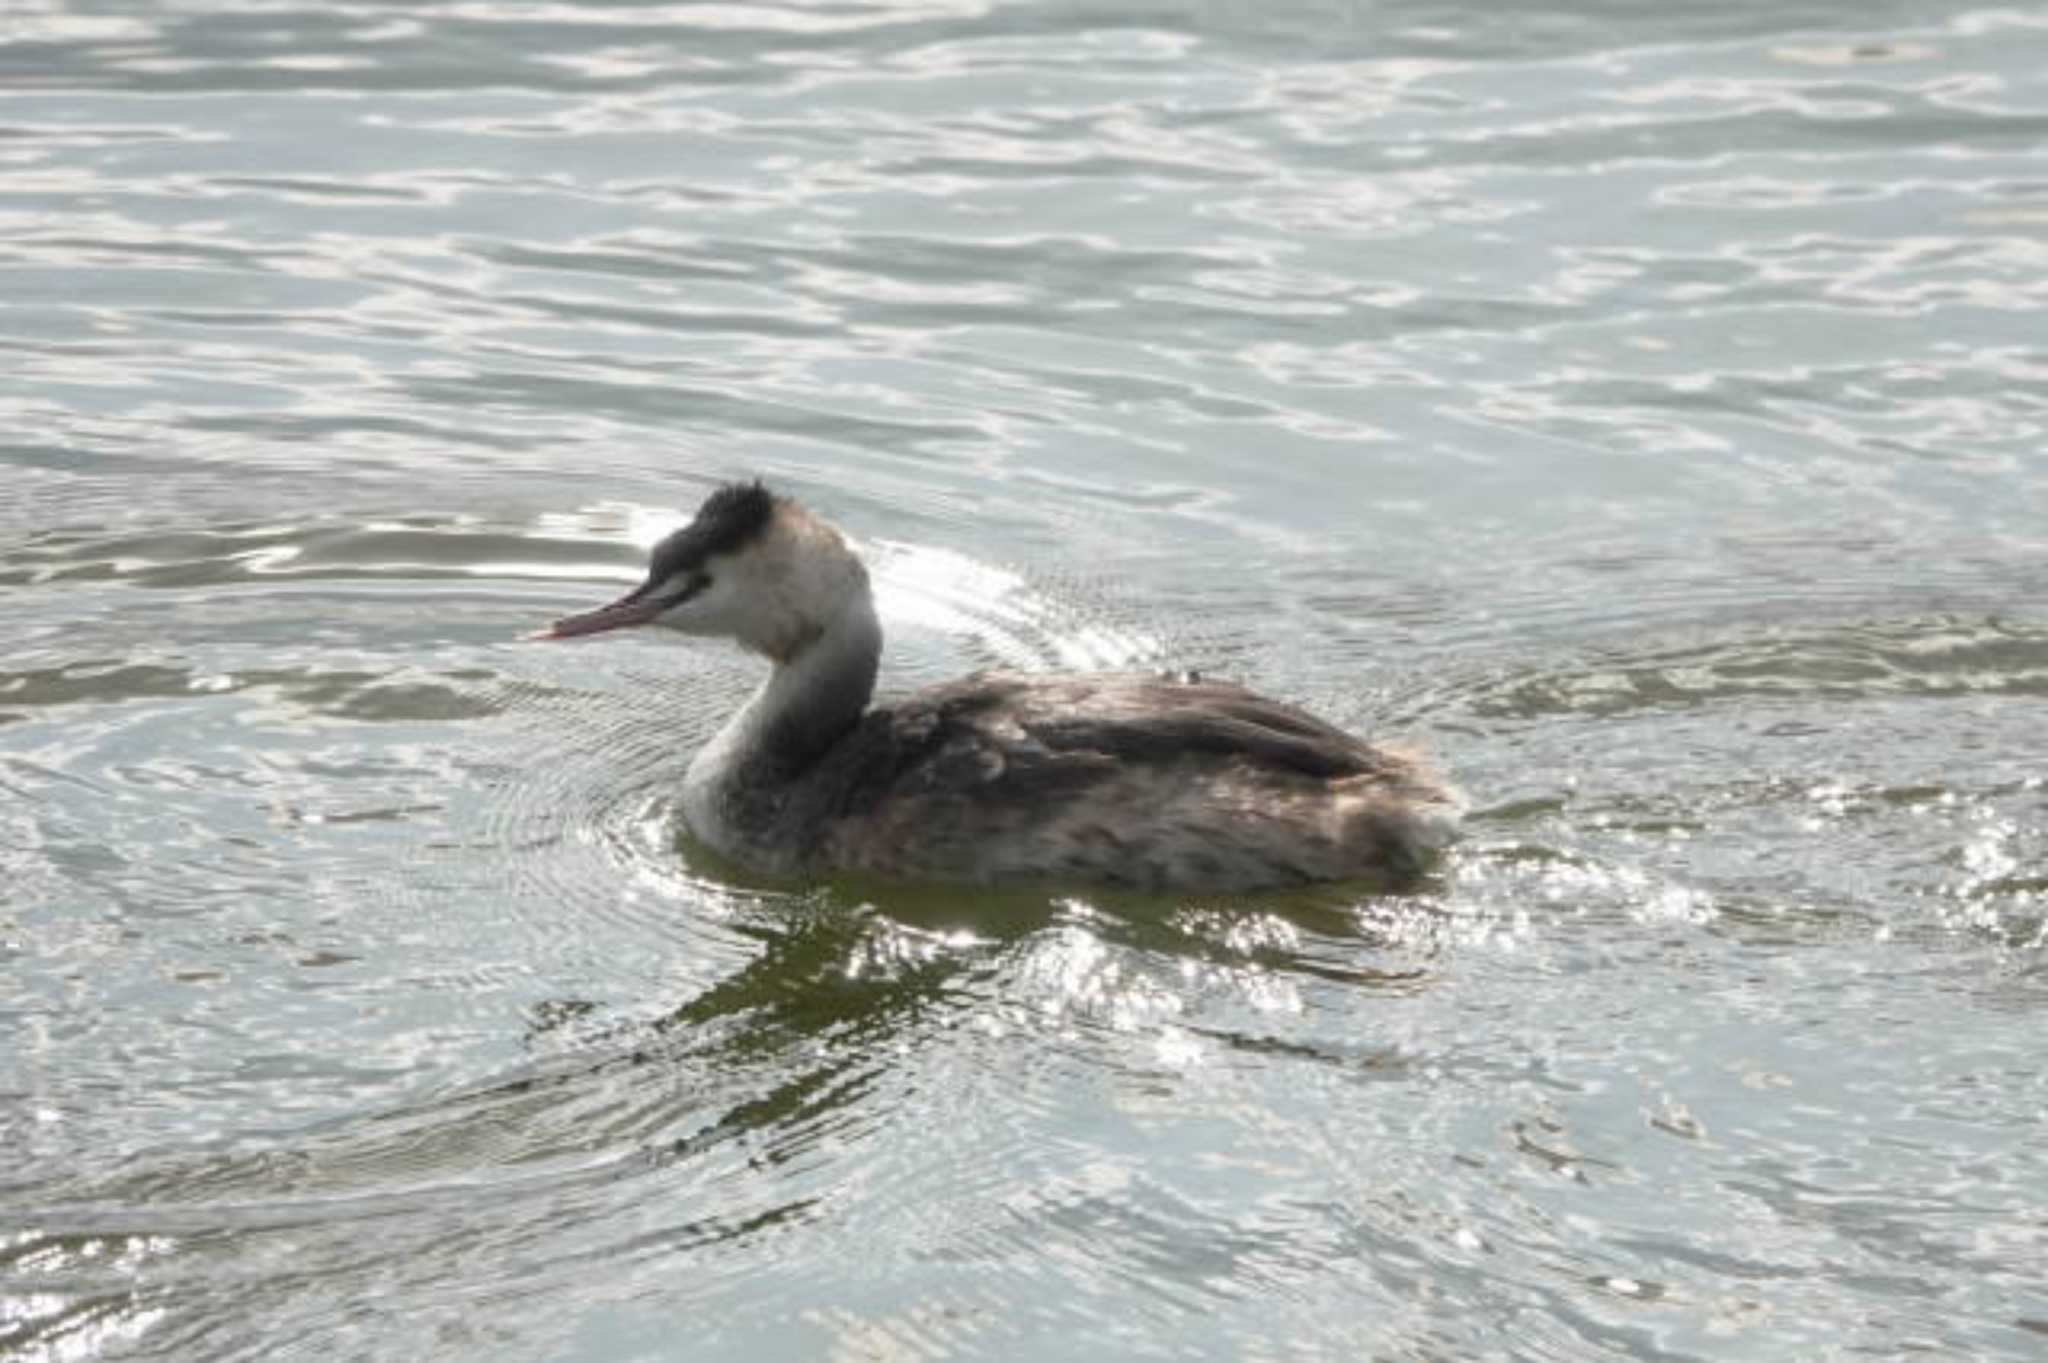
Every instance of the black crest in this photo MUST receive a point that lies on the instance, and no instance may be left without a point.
(730, 517)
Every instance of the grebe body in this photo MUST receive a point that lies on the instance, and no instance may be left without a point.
(1124, 779)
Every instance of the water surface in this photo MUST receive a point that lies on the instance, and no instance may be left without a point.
(1643, 407)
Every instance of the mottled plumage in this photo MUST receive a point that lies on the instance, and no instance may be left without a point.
(1123, 779)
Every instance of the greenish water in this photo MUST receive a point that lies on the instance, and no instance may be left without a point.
(1644, 407)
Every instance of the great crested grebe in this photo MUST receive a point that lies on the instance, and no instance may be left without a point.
(1115, 778)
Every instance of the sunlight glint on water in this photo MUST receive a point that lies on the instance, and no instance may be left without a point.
(1644, 411)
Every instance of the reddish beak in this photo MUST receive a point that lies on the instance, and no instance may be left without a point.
(626, 611)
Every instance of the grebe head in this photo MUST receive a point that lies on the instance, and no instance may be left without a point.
(752, 566)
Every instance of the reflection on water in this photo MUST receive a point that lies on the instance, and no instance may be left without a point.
(1643, 411)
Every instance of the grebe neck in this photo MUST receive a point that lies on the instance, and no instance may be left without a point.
(742, 781)
(815, 695)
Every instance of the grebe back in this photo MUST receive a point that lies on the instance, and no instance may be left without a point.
(1123, 779)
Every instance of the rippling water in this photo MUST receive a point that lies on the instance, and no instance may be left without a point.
(1645, 406)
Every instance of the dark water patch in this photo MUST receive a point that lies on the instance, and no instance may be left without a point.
(1936, 657)
(326, 549)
